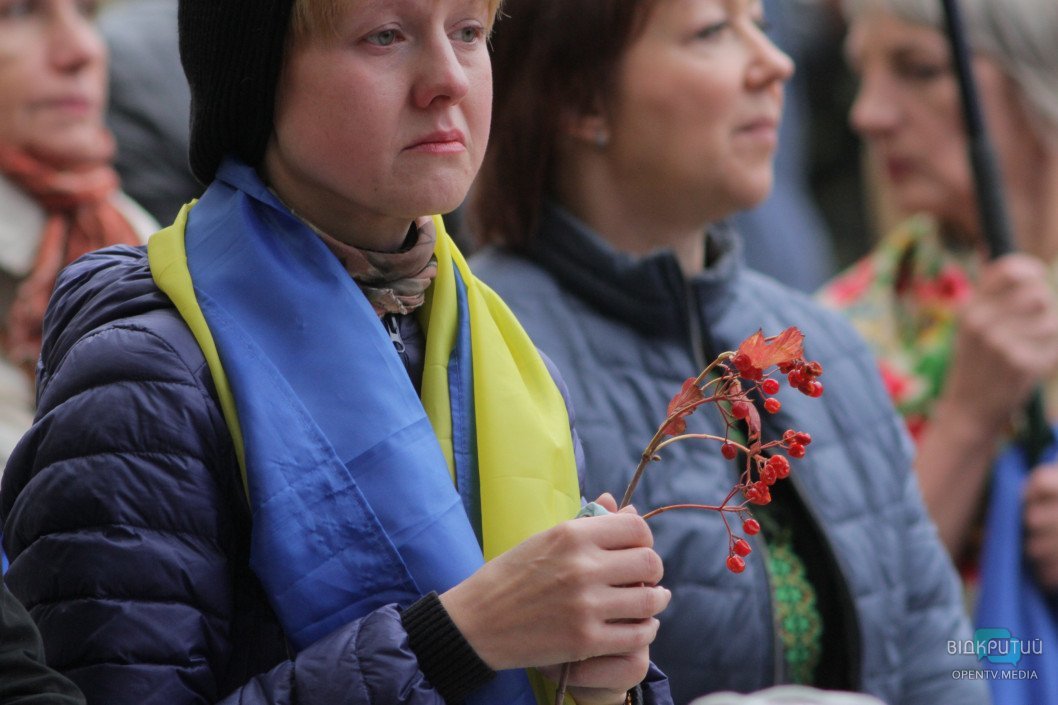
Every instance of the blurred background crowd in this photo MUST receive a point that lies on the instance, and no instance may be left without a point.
(871, 211)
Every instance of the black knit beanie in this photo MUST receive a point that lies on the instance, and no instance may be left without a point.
(232, 51)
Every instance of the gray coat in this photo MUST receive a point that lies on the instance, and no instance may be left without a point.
(149, 105)
(626, 332)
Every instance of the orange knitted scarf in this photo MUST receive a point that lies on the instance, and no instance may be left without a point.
(80, 217)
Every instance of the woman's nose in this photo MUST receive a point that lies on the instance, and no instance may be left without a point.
(74, 41)
(874, 112)
(442, 75)
(771, 64)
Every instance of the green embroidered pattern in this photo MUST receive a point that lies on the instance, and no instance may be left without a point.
(798, 619)
(797, 616)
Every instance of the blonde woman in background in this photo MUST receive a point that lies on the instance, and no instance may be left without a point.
(59, 196)
(961, 341)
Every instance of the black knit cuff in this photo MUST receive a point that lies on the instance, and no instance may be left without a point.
(446, 658)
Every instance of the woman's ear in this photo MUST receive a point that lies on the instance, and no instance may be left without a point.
(590, 128)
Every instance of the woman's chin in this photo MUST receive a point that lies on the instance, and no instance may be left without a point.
(75, 146)
(752, 194)
(444, 201)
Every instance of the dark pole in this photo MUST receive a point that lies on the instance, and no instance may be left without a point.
(989, 187)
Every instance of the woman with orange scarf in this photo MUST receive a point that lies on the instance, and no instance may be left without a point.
(59, 196)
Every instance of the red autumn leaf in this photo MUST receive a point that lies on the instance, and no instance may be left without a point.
(675, 427)
(689, 394)
(765, 352)
(683, 404)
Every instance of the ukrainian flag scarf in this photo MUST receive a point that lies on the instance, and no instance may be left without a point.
(362, 494)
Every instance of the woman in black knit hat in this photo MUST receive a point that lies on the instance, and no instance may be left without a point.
(294, 452)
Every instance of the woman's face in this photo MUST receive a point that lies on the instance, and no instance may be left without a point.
(52, 78)
(696, 114)
(908, 110)
(387, 120)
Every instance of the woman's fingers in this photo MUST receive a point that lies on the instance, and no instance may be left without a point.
(1007, 339)
(615, 531)
(597, 679)
(1041, 524)
(607, 501)
(581, 589)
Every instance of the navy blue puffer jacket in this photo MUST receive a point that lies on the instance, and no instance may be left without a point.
(128, 530)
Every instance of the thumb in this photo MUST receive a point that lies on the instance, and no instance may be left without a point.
(607, 501)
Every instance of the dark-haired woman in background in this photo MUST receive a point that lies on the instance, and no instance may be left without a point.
(624, 132)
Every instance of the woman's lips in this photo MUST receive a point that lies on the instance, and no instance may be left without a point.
(78, 106)
(762, 130)
(440, 142)
(898, 169)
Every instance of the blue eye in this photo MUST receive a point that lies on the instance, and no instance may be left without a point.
(469, 34)
(385, 38)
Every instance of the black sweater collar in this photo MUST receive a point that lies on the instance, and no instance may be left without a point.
(648, 292)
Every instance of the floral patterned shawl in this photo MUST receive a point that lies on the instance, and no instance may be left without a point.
(902, 298)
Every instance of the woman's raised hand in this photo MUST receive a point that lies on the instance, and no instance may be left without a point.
(1007, 341)
(584, 591)
(1041, 524)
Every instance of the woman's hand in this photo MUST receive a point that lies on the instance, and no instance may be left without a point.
(604, 680)
(584, 591)
(1041, 524)
(1007, 341)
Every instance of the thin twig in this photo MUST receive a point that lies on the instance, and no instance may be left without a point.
(659, 442)
(716, 508)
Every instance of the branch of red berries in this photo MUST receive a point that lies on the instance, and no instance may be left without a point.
(730, 383)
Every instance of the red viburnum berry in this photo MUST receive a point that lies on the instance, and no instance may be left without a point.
(751, 527)
(796, 378)
(778, 462)
(768, 475)
(813, 368)
(796, 450)
(740, 410)
(770, 386)
(741, 547)
(815, 389)
(780, 465)
(772, 405)
(802, 438)
(742, 362)
(729, 450)
(761, 495)
(736, 564)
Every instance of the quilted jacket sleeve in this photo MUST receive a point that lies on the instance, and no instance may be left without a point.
(126, 529)
(934, 616)
(930, 609)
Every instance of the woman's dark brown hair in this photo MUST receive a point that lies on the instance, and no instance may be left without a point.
(551, 59)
